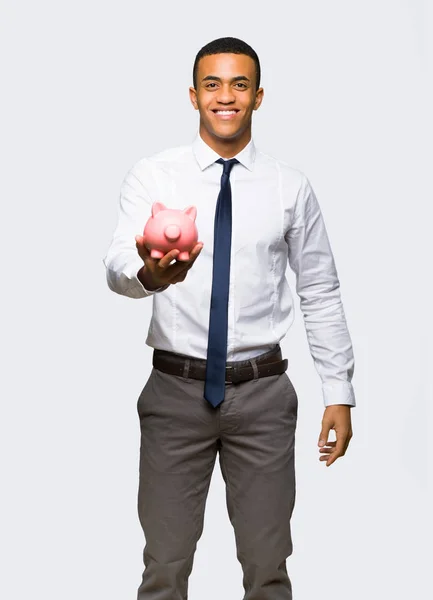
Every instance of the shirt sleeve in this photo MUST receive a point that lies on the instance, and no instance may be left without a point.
(318, 287)
(122, 261)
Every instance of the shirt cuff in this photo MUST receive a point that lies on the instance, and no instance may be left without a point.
(339, 392)
(136, 286)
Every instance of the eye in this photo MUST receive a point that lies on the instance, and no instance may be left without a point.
(239, 83)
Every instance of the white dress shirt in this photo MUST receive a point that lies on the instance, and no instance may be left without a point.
(275, 217)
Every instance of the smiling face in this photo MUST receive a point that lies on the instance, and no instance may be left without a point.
(226, 82)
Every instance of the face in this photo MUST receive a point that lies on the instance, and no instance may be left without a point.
(226, 82)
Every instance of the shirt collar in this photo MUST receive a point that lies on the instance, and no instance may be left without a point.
(205, 156)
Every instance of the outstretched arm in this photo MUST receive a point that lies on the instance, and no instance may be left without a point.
(123, 263)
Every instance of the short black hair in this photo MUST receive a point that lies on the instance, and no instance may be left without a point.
(230, 45)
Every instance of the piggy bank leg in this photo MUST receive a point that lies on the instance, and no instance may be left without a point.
(154, 253)
(183, 256)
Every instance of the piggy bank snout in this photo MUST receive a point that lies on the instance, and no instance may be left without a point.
(172, 232)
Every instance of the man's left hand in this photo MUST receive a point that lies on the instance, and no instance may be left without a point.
(337, 417)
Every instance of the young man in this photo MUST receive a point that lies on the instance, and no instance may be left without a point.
(219, 383)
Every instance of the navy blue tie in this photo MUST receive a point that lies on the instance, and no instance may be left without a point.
(214, 388)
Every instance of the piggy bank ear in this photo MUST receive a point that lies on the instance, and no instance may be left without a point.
(191, 211)
(156, 207)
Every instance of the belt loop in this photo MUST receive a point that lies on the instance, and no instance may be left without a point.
(255, 369)
(186, 368)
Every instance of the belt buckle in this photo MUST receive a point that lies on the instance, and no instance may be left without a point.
(235, 377)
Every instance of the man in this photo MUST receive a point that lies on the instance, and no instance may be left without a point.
(219, 384)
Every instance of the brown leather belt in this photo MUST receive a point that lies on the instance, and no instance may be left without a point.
(264, 365)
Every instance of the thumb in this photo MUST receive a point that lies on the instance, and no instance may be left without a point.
(140, 241)
(142, 248)
(324, 434)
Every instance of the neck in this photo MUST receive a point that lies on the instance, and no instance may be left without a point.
(226, 148)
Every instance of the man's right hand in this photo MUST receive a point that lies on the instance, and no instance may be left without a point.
(159, 270)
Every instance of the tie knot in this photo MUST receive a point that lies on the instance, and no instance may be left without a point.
(227, 164)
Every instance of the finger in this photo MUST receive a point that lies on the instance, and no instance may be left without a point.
(193, 254)
(338, 451)
(332, 458)
(185, 265)
(180, 270)
(327, 446)
(324, 457)
(197, 248)
(195, 251)
(143, 250)
(326, 449)
(166, 260)
(324, 434)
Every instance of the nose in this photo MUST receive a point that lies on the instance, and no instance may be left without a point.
(226, 95)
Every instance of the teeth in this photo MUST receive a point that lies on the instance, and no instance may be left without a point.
(225, 112)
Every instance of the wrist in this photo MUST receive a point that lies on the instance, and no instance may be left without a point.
(145, 277)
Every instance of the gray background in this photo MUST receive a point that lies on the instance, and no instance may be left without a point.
(88, 89)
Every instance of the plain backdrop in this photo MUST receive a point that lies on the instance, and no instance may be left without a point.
(89, 88)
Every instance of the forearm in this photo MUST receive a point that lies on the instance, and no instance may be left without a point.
(122, 271)
(330, 346)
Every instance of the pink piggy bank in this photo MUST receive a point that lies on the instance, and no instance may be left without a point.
(170, 228)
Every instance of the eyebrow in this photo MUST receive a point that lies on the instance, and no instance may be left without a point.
(237, 78)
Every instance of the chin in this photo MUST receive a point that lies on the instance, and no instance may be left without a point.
(224, 132)
(227, 134)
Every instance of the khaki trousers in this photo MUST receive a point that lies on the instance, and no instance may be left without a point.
(253, 432)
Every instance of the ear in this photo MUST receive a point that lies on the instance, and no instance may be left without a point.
(191, 211)
(156, 207)
(259, 98)
(193, 97)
